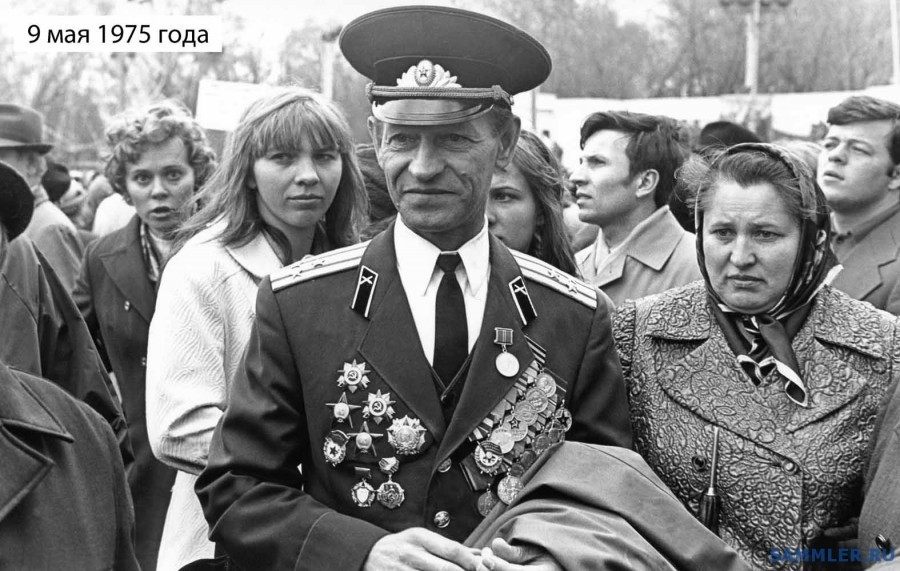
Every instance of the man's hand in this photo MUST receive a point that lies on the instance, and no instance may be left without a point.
(501, 556)
(422, 550)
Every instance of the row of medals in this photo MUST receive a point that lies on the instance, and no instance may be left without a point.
(405, 435)
(534, 406)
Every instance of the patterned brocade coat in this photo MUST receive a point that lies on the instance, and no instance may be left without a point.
(785, 473)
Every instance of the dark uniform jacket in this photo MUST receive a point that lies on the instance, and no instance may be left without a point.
(268, 515)
(117, 299)
(42, 332)
(64, 503)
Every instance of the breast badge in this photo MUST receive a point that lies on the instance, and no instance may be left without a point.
(378, 406)
(406, 435)
(353, 376)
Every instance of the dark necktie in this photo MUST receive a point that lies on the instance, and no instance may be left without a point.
(451, 335)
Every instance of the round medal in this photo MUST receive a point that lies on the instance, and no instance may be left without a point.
(537, 399)
(391, 494)
(502, 436)
(488, 457)
(555, 431)
(486, 503)
(363, 494)
(518, 431)
(341, 411)
(508, 488)
(507, 364)
(527, 459)
(363, 441)
(541, 443)
(564, 417)
(546, 383)
(525, 412)
(516, 470)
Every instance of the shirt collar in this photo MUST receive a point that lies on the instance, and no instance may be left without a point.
(417, 257)
(858, 232)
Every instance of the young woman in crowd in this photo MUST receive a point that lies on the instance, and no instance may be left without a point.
(288, 186)
(761, 375)
(525, 205)
(159, 158)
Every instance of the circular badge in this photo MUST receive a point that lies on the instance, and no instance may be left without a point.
(334, 452)
(391, 495)
(502, 436)
(341, 411)
(508, 488)
(541, 443)
(564, 417)
(424, 73)
(525, 412)
(527, 459)
(507, 364)
(486, 503)
(352, 377)
(537, 399)
(516, 470)
(519, 430)
(377, 407)
(546, 384)
(363, 494)
(488, 457)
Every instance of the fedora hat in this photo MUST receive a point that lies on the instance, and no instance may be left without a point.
(22, 128)
(432, 65)
(16, 201)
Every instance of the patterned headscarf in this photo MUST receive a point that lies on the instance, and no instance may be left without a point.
(762, 342)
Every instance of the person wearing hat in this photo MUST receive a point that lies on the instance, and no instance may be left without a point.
(22, 147)
(413, 378)
(56, 452)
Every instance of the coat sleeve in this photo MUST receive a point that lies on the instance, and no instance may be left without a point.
(186, 385)
(64, 250)
(599, 407)
(251, 490)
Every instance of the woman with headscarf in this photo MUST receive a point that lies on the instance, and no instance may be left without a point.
(786, 371)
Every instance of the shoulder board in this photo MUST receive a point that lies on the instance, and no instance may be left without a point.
(312, 267)
(546, 275)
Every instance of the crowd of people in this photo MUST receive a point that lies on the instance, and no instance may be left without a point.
(437, 349)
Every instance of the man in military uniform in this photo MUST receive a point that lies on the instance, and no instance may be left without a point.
(416, 377)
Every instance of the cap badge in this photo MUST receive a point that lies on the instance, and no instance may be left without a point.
(427, 74)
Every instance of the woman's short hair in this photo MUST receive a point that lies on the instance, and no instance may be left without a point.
(131, 133)
(280, 120)
(749, 167)
(544, 177)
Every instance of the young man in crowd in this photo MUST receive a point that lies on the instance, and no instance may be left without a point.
(623, 182)
(859, 173)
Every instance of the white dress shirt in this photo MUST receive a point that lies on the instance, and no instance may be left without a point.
(416, 263)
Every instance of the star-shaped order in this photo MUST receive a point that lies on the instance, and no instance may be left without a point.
(378, 406)
(365, 440)
(342, 409)
(353, 375)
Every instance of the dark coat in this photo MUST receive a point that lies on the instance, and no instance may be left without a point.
(602, 507)
(117, 299)
(64, 503)
(44, 334)
(266, 514)
(785, 473)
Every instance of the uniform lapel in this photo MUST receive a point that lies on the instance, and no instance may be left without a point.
(485, 386)
(391, 345)
(125, 266)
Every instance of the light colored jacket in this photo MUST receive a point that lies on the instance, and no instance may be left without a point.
(785, 473)
(56, 237)
(204, 311)
(657, 255)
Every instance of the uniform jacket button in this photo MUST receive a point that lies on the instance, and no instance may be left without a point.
(143, 361)
(127, 305)
(445, 466)
(882, 542)
(789, 467)
(442, 519)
